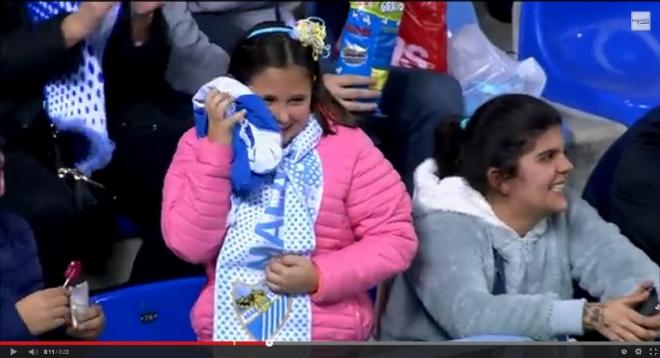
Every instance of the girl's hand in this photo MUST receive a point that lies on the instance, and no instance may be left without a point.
(292, 274)
(220, 127)
(81, 24)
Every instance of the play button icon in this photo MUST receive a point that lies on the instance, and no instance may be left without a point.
(12, 351)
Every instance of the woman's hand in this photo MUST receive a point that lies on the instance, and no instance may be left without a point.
(220, 126)
(81, 24)
(144, 8)
(618, 320)
(345, 88)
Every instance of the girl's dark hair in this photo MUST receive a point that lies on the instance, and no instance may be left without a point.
(496, 136)
(277, 49)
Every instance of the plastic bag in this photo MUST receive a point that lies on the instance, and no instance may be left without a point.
(484, 71)
(422, 41)
(79, 302)
(368, 39)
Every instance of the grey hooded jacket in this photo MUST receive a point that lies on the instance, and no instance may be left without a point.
(447, 292)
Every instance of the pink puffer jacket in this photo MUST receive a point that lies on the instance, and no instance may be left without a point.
(364, 231)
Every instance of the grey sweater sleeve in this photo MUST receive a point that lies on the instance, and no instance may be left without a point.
(604, 262)
(449, 275)
(194, 60)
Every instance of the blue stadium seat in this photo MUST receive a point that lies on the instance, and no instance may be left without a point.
(151, 312)
(154, 312)
(593, 60)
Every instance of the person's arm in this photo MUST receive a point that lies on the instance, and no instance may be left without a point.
(12, 327)
(449, 277)
(18, 280)
(38, 52)
(198, 58)
(379, 211)
(35, 54)
(604, 262)
(196, 198)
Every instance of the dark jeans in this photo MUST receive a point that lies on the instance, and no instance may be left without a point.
(624, 186)
(146, 140)
(415, 102)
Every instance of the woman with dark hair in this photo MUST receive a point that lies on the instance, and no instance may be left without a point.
(294, 260)
(501, 240)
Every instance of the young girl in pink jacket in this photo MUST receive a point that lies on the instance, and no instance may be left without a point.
(293, 260)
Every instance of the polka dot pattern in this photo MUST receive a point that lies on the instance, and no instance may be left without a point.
(298, 184)
(75, 101)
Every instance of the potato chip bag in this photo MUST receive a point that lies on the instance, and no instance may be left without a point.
(368, 39)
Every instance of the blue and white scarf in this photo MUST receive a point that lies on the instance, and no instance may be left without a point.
(256, 142)
(76, 101)
(275, 220)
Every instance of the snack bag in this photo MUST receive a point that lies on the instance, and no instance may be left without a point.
(422, 41)
(368, 39)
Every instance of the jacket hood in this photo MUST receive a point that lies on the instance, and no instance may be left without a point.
(453, 194)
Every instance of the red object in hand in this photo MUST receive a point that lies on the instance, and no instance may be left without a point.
(72, 272)
(422, 41)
